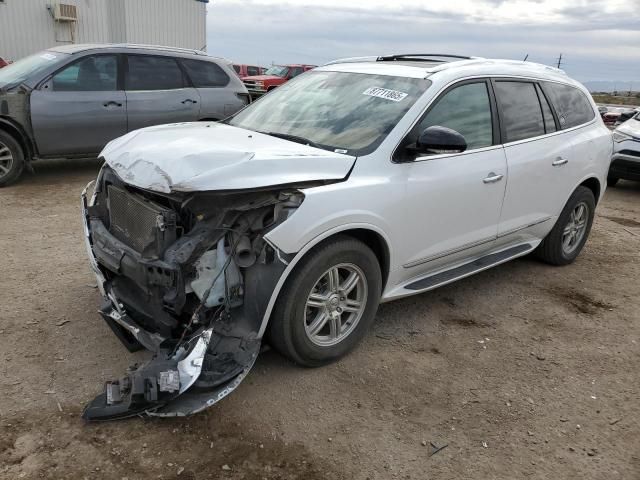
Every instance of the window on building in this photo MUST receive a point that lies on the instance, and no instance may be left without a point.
(205, 74)
(572, 106)
(91, 74)
(153, 73)
(520, 110)
(467, 110)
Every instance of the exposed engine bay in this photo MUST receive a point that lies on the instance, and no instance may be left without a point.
(187, 275)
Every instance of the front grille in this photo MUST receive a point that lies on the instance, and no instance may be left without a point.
(631, 153)
(134, 220)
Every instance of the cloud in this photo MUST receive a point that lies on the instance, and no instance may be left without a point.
(596, 42)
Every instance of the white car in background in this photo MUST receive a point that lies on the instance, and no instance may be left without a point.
(625, 163)
(360, 182)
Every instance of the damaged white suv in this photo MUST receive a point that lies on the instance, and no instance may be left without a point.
(362, 181)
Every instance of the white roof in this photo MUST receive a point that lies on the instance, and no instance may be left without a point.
(453, 69)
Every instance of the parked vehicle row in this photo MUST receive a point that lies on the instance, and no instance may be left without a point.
(361, 181)
(258, 85)
(70, 101)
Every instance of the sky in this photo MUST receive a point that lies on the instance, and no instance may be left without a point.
(599, 40)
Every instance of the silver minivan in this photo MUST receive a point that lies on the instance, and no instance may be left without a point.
(70, 101)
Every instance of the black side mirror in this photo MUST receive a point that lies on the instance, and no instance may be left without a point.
(438, 140)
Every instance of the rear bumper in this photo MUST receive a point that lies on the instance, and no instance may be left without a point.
(625, 164)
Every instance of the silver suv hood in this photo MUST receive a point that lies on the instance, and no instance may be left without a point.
(203, 156)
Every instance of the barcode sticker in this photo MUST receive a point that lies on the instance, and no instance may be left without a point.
(393, 95)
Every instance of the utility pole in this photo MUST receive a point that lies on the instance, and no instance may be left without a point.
(559, 60)
(525, 57)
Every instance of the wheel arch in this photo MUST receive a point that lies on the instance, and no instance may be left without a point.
(19, 134)
(593, 184)
(369, 234)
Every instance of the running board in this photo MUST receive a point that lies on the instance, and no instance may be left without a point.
(469, 268)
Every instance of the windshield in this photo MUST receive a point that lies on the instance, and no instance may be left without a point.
(277, 71)
(17, 72)
(345, 112)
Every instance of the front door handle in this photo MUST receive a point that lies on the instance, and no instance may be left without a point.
(559, 161)
(111, 104)
(493, 178)
(189, 100)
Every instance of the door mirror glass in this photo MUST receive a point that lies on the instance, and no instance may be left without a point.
(440, 140)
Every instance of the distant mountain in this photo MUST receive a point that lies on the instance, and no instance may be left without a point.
(610, 85)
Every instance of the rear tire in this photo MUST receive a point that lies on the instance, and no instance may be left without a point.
(565, 241)
(12, 160)
(328, 303)
(612, 181)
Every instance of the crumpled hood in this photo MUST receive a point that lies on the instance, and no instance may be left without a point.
(203, 156)
(630, 127)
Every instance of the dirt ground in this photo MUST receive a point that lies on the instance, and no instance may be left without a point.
(523, 371)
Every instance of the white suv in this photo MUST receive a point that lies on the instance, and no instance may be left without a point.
(362, 181)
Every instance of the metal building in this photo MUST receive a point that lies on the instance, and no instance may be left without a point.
(28, 26)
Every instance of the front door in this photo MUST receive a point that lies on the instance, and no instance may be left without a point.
(80, 109)
(158, 92)
(453, 200)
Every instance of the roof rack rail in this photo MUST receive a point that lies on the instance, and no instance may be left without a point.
(421, 57)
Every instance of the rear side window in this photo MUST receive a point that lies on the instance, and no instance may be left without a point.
(520, 110)
(153, 73)
(205, 74)
(467, 110)
(91, 74)
(572, 106)
(237, 68)
(253, 71)
(549, 121)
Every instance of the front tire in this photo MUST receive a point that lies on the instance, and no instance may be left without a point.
(11, 159)
(565, 241)
(328, 303)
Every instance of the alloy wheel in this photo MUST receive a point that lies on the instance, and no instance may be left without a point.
(576, 227)
(335, 304)
(6, 160)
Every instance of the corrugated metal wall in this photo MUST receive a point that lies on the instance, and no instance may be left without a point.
(27, 26)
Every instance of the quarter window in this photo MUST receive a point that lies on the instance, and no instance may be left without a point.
(467, 110)
(572, 106)
(91, 74)
(520, 110)
(153, 73)
(205, 74)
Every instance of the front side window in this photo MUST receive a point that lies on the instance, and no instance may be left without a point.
(205, 74)
(572, 106)
(348, 112)
(91, 74)
(520, 110)
(467, 110)
(153, 73)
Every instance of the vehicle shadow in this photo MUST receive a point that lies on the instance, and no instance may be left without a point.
(55, 172)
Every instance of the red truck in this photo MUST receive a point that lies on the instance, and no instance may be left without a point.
(248, 70)
(3, 63)
(273, 77)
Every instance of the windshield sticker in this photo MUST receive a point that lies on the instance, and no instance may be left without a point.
(393, 95)
(48, 56)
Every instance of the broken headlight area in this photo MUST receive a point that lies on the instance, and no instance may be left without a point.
(189, 277)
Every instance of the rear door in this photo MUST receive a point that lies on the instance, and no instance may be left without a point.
(158, 92)
(539, 159)
(80, 108)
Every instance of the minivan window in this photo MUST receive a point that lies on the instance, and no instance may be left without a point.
(205, 74)
(91, 74)
(520, 110)
(467, 110)
(153, 73)
(572, 106)
(348, 112)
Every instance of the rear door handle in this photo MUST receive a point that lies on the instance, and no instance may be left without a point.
(111, 104)
(189, 100)
(493, 178)
(559, 162)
